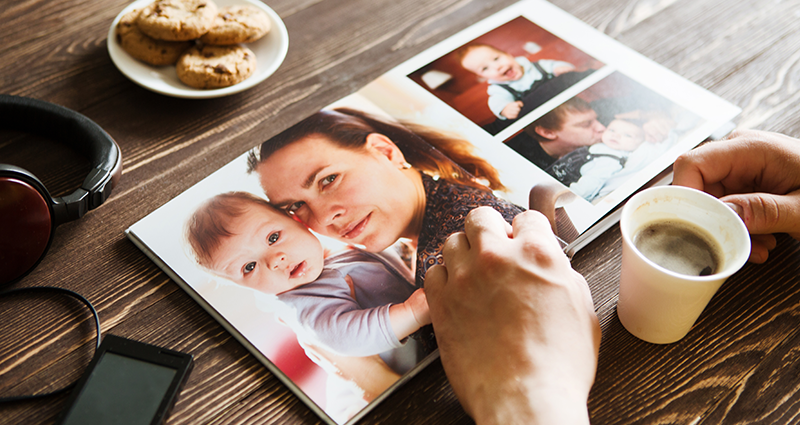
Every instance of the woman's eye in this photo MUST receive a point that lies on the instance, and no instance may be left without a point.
(273, 238)
(249, 267)
(292, 208)
(329, 179)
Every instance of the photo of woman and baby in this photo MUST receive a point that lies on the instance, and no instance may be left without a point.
(505, 73)
(375, 186)
(390, 193)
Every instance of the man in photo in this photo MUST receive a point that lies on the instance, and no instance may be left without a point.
(569, 126)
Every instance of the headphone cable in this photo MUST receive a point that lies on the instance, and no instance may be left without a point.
(62, 291)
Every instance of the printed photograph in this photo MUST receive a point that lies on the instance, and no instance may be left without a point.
(506, 73)
(315, 245)
(595, 141)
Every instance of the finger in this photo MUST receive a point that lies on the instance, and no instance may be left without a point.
(760, 246)
(455, 243)
(585, 291)
(705, 167)
(484, 223)
(435, 284)
(534, 226)
(766, 213)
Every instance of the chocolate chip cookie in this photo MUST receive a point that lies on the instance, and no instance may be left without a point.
(211, 67)
(177, 20)
(237, 24)
(145, 48)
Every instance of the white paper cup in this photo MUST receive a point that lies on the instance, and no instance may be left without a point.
(656, 304)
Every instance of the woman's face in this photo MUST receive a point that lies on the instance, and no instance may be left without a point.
(361, 196)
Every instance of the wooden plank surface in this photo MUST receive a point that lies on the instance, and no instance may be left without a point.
(738, 366)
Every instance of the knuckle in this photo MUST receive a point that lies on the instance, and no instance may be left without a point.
(766, 211)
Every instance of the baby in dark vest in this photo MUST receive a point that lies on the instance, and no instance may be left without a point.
(510, 78)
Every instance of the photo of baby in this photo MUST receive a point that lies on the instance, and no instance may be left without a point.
(596, 140)
(506, 73)
(351, 303)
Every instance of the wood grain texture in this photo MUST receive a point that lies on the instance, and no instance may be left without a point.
(739, 364)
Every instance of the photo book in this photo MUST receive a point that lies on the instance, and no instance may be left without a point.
(311, 248)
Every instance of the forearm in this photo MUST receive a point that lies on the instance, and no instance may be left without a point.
(401, 316)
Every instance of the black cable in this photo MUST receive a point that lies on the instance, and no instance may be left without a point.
(63, 291)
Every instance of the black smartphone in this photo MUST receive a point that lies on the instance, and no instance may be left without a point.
(127, 383)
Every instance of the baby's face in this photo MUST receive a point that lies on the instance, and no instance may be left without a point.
(269, 252)
(623, 135)
(492, 64)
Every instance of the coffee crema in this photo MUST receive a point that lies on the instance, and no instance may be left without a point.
(679, 246)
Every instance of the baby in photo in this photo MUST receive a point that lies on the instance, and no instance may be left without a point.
(622, 152)
(353, 303)
(510, 78)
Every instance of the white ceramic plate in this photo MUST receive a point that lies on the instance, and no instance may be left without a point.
(270, 51)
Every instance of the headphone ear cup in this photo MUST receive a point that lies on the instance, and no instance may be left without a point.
(26, 222)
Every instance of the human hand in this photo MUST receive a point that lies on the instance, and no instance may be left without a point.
(656, 127)
(511, 111)
(754, 172)
(516, 327)
(408, 317)
(562, 70)
(418, 304)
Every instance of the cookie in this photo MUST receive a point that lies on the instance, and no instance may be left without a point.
(211, 67)
(177, 20)
(145, 48)
(237, 24)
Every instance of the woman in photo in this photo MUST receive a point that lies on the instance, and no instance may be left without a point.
(368, 182)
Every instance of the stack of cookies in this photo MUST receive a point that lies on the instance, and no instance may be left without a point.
(200, 39)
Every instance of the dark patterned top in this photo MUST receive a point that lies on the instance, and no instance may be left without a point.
(447, 205)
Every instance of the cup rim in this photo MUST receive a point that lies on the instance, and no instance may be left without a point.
(735, 265)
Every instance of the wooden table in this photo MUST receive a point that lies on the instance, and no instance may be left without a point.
(738, 365)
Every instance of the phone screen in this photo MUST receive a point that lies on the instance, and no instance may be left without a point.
(121, 390)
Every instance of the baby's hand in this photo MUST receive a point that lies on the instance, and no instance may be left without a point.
(418, 304)
(562, 70)
(511, 111)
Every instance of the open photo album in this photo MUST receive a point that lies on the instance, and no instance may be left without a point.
(312, 248)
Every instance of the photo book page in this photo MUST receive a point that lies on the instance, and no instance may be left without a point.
(311, 248)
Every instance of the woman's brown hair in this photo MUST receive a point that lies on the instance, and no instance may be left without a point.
(428, 150)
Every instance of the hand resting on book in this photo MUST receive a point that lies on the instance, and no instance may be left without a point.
(516, 327)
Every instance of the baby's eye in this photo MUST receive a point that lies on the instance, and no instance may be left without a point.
(292, 208)
(249, 267)
(328, 180)
(273, 238)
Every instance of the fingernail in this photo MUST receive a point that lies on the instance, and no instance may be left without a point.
(735, 207)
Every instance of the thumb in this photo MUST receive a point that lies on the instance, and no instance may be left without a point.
(765, 213)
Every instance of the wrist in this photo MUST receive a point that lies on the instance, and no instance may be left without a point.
(528, 404)
(402, 320)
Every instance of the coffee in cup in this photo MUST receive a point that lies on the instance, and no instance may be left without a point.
(678, 246)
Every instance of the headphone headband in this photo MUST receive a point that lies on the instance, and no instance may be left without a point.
(78, 132)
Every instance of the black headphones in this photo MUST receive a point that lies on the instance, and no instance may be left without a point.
(28, 214)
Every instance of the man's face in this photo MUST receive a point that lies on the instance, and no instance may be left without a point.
(580, 128)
